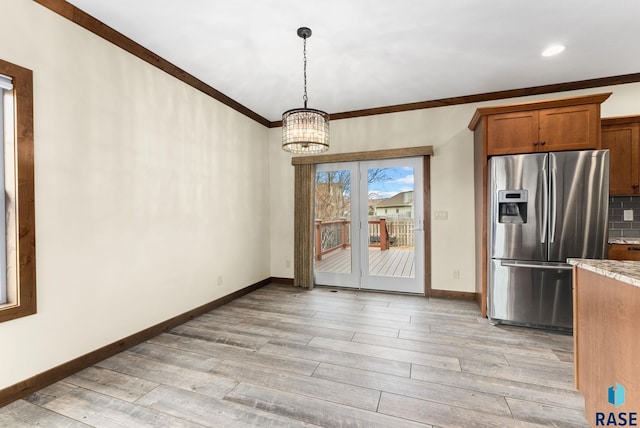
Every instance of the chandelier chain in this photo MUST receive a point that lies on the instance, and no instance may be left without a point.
(304, 57)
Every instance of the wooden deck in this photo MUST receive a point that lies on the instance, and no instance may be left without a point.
(395, 262)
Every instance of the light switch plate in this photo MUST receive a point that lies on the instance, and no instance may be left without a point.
(628, 215)
(440, 215)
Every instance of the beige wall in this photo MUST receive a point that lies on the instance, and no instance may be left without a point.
(147, 191)
(445, 129)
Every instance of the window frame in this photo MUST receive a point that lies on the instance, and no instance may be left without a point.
(304, 171)
(25, 303)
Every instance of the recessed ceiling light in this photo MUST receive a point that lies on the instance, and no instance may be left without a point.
(553, 50)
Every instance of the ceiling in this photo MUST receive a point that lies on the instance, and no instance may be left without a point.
(366, 54)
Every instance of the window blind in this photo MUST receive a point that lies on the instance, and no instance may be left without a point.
(6, 82)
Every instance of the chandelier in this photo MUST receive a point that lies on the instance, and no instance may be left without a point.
(305, 130)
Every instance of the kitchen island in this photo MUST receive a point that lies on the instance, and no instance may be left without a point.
(606, 312)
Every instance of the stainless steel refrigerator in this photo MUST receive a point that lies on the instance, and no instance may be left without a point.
(543, 208)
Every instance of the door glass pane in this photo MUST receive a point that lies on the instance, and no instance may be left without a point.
(391, 226)
(332, 228)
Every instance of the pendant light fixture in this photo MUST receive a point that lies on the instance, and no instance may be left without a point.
(305, 130)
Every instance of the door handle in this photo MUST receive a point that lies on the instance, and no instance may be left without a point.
(553, 205)
(545, 207)
(535, 266)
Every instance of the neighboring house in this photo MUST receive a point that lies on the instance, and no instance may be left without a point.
(400, 205)
(373, 203)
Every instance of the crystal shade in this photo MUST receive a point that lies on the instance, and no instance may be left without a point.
(305, 130)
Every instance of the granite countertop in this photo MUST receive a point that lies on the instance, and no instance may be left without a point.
(624, 271)
(630, 241)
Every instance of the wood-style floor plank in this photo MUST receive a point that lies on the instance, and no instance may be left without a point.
(287, 357)
(338, 392)
(312, 410)
(546, 414)
(237, 340)
(443, 415)
(212, 412)
(50, 393)
(494, 357)
(251, 330)
(322, 323)
(114, 384)
(505, 387)
(362, 318)
(423, 358)
(176, 357)
(381, 365)
(444, 394)
(25, 414)
(167, 374)
(100, 410)
(286, 363)
(522, 374)
(480, 346)
(284, 327)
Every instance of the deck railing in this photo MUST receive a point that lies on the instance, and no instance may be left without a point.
(332, 235)
(402, 232)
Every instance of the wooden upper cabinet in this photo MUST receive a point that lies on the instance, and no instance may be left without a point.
(512, 132)
(544, 126)
(569, 128)
(621, 135)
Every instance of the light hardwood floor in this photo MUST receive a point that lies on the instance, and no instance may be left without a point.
(286, 357)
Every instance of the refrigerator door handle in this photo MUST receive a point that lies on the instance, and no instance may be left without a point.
(537, 266)
(554, 183)
(545, 207)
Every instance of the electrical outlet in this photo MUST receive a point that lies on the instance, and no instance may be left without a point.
(628, 215)
(220, 280)
(441, 215)
(287, 264)
(456, 274)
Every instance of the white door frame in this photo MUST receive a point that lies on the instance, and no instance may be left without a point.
(360, 277)
(387, 283)
(352, 279)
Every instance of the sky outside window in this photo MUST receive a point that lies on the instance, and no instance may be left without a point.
(395, 180)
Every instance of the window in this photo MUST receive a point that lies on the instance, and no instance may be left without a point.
(17, 227)
(6, 119)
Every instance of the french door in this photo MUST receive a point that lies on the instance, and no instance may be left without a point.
(369, 225)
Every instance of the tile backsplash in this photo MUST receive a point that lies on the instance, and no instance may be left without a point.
(618, 228)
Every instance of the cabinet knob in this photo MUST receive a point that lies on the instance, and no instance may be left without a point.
(535, 143)
(542, 143)
(635, 186)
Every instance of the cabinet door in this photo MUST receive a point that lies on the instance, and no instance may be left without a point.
(569, 128)
(622, 142)
(624, 252)
(509, 133)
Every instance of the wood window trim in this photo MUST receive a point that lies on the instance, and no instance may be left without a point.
(303, 202)
(364, 156)
(25, 303)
